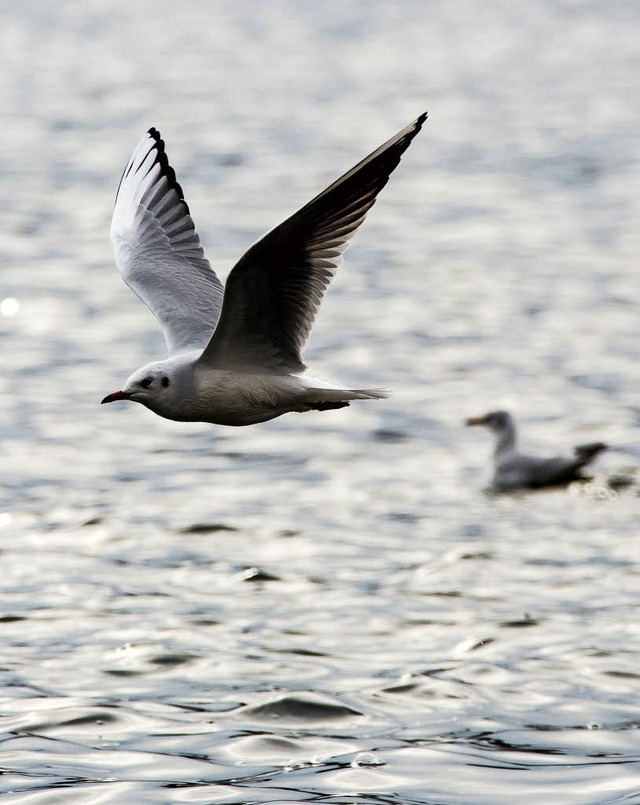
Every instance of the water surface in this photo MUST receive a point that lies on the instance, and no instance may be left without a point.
(327, 607)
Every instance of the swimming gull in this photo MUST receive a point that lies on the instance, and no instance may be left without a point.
(235, 353)
(515, 470)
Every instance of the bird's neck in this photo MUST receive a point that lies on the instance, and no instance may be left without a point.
(507, 440)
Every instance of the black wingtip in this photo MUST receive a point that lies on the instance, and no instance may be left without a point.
(165, 167)
(414, 128)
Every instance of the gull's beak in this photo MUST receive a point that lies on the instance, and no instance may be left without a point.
(473, 420)
(117, 395)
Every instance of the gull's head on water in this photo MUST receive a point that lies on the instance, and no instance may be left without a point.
(495, 420)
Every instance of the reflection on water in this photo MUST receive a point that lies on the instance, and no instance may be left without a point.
(326, 607)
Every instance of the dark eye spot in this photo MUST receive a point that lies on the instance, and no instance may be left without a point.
(146, 382)
(165, 381)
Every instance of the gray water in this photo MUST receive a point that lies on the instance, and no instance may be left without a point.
(327, 607)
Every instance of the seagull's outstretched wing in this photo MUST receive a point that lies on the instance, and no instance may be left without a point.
(158, 251)
(273, 292)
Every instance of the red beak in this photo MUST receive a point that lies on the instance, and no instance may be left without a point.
(473, 420)
(117, 395)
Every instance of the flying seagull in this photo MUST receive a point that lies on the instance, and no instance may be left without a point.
(235, 352)
(515, 470)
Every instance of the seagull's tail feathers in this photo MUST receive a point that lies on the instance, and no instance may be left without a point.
(584, 455)
(587, 452)
(368, 394)
(325, 399)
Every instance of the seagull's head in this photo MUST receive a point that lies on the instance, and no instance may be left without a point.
(497, 421)
(151, 386)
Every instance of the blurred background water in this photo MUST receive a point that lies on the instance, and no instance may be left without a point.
(327, 607)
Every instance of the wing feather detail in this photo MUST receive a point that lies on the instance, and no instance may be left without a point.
(158, 251)
(273, 292)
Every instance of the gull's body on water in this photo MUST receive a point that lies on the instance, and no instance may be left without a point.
(235, 353)
(516, 470)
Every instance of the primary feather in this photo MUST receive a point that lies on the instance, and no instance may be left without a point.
(158, 251)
